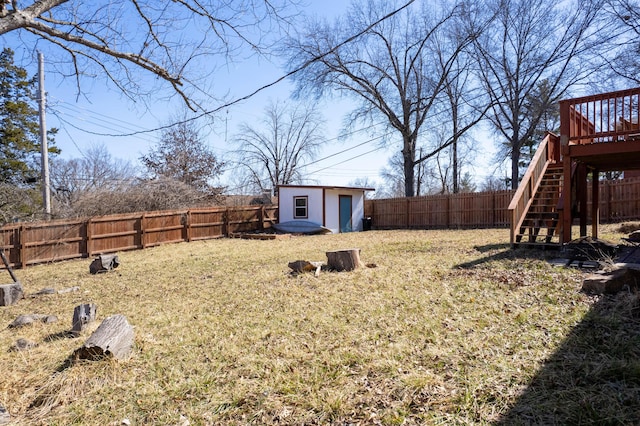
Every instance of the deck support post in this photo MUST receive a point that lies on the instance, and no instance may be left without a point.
(595, 202)
(566, 218)
(581, 190)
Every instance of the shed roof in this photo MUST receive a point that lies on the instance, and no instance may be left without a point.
(351, 188)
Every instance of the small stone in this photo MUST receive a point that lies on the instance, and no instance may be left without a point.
(126, 422)
(23, 320)
(23, 345)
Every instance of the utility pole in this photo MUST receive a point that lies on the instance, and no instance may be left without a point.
(44, 149)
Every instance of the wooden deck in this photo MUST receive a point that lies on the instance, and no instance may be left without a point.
(599, 133)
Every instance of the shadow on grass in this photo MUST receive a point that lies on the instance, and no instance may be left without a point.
(60, 336)
(495, 252)
(594, 377)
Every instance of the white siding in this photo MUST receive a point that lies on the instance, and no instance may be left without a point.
(332, 205)
(325, 212)
(285, 203)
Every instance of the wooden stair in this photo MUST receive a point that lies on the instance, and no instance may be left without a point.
(541, 224)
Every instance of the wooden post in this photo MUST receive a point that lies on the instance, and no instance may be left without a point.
(408, 211)
(567, 217)
(89, 232)
(262, 213)
(225, 222)
(582, 197)
(21, 247)
(188, 225)
(143, 242)
(595, 202)
(565, 151)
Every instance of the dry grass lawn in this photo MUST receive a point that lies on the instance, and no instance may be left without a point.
(451, 327)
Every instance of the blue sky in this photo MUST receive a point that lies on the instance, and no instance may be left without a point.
(104, 111)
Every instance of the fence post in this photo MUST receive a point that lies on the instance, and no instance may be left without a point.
(408, 211)
(89, 234)
(607, 189)
(262, 213)
(225, 222)
(21, 247)
(188, 225)
(448, 212)
(143, 243)
(493, 209)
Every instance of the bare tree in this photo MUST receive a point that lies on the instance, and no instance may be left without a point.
(140, 195)
(117, 39)
(19, 203)
(182, 154)
(275, 151)
(529, 42)
(390, 69)
(75, 180)
(465, 105)
(626, 19)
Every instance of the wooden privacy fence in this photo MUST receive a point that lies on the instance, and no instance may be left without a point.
(619, 200)
(30, 243)
(469, 210)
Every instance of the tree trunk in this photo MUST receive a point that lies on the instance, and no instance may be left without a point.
(515, 163)
(10, 294)
(82, 316)
(344, 260)
(114, 338)
(408, 156)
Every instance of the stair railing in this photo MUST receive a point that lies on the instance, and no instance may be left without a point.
(521, 201)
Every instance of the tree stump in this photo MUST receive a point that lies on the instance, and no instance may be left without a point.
(114, 338)
(344, 260)
(82, 316)
(10, 294)
(104, 263)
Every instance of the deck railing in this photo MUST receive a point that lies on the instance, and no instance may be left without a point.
(546, 153)
(607, 117)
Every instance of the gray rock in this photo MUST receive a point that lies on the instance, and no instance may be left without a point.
(23, 345)
(10, 294)
(23, 320)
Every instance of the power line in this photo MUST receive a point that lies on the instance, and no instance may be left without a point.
(349, 159)
(268, 85)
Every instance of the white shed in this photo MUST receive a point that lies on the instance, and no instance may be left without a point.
(338, 208)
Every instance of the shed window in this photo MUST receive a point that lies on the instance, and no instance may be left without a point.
(300, 210)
